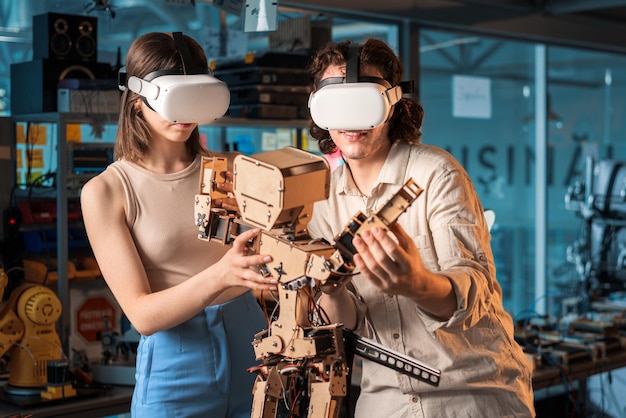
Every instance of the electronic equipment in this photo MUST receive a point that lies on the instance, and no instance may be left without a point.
(600, 252)
(271, 85)
(291, 98)
(64, 47)
(353, 102)
(34, 84)
(65, 37)
(188, 96)
(118, 357)
(85, 160)
(275, 191)
(253, 75)
(88, 102)
(339, 104)
(198, 98)
(266, 59)
(89, 158)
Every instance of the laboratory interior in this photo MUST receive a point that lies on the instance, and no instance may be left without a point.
(526, 95)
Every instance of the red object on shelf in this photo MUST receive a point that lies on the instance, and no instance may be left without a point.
(42, 211)
(38, 212)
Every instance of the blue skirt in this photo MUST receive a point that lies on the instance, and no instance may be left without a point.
(199, 368)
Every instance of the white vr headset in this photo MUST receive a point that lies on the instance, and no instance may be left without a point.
(353, 103)
(341, 105)
(188, 96)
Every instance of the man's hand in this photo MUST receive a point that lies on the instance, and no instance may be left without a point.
(396, 268)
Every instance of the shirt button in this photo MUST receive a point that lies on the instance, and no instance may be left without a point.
(414, 399)
(396, 335)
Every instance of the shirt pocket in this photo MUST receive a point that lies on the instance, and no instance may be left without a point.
(427, 251)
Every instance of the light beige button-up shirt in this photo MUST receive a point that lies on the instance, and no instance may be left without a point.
(484, 372)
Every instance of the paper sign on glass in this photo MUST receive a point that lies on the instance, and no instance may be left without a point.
(471, 97)
(260, 16)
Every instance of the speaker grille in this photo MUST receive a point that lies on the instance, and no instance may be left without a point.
(65, 37)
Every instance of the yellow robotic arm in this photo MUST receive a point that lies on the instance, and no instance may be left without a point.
(28, 333)
(11, 328)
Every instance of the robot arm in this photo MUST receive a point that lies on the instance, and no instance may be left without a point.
(28, 333)
(11, 328)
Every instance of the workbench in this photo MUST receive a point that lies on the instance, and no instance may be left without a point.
(89, 403)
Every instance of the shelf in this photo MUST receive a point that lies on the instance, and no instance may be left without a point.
(55, 117)
(43, 193)
(61, 197)
(228, 122)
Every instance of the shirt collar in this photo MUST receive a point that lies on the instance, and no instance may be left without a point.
(394, 169)
(393, 172)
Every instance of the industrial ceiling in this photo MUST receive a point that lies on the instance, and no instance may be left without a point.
(590, 23)
(594, 24)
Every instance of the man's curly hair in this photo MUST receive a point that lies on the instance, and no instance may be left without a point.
(405, 122)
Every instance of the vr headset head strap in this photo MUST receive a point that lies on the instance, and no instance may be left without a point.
(353, 61)
(362, 79)
(352, 64)
(122, 78)
(185, 55)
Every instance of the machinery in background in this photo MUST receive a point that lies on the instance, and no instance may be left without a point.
(600, 252)
(119, 354)
(305, 359)
(27, 333)
(593, 338)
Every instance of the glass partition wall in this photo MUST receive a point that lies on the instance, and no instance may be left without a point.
(476, 95)
(484, 99)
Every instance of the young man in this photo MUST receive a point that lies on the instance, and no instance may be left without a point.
(428, 287)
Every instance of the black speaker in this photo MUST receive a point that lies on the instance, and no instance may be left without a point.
(65, 37)
(34, 84)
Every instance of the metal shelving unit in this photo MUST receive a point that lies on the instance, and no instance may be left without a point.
(61, 120)
(62, 194)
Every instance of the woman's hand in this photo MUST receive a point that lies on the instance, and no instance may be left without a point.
(241, 268)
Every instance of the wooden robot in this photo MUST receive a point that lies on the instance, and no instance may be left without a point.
(305, 369)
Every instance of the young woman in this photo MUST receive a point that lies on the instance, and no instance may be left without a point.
(190, 299)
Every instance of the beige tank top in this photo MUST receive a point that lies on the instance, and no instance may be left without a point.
(161, 221)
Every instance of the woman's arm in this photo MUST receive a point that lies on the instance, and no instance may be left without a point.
(103, 207)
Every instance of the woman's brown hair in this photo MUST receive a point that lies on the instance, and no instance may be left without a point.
(151, 52)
